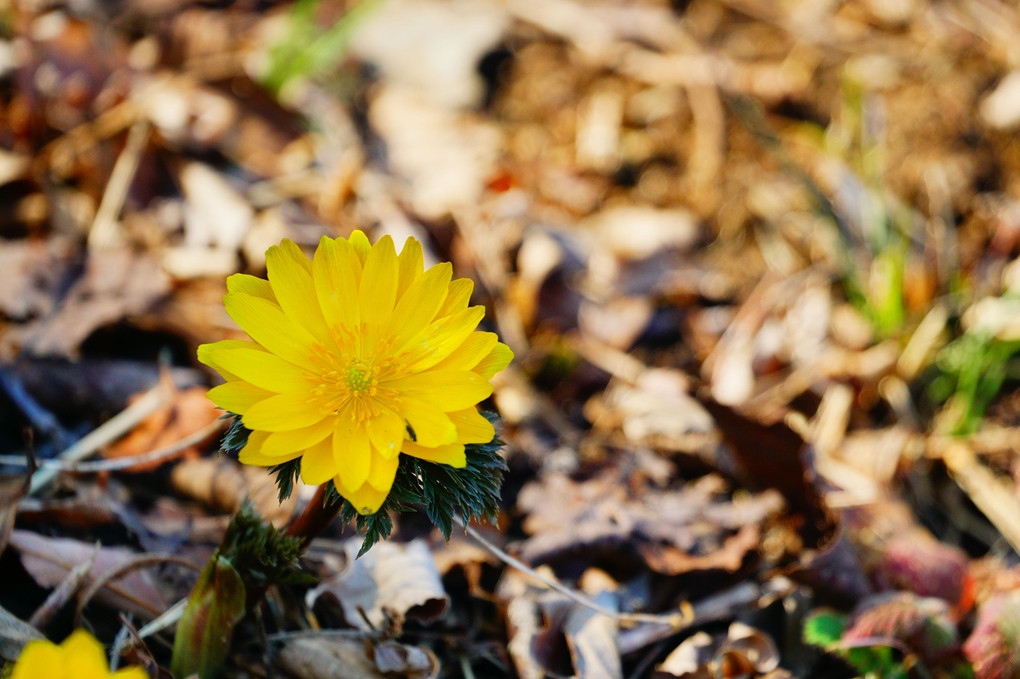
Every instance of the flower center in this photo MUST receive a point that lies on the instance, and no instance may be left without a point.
(359, 378)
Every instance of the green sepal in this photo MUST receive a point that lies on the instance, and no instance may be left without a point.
(253, 554)
(215, 606)
(441, 491)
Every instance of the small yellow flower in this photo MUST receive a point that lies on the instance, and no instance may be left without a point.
(358, 355)
(79, 657)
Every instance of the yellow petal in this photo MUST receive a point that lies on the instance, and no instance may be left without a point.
(40, 658)
(410, 264)
(386, 432)
(208, 353)
(450, 389)
(290, 274)
(420, 303)
(432, 427)
(458, 297)
(378, 289)
(336, 284)
(266, 323)
(451, 454)
(237, 397)
(250, 285)
(360, 244)
(497, 359)
(85, 655)
(249, 362)
(382, 473)
(472, 350)
(252, 452)
(283, 442)
(366, 499)
(352, 453)
(472, 426)
(282, 412)
(317, 464)
(441, 338)
(130, 673)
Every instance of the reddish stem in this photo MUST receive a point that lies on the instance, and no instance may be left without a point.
(316, 517)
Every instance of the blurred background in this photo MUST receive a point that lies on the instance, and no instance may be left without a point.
(757, 260)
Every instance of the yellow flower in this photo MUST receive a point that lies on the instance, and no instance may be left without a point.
(79, 657)
(358, 355)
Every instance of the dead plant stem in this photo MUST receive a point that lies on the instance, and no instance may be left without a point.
(677, 621)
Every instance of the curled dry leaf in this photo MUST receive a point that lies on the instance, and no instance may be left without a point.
(49, 560)
(743, 652)
(536, 625)
(592, 639)
(323, 658)
(391, 579)
(414, 662)
(523, 623)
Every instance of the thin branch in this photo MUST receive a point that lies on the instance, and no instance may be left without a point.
(168, 618)
(126, 567)
(675, 621)
(104, 231)
(124, 462)
(112, 429)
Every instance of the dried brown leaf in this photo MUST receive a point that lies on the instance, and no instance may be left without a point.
(223, 484)
(390, 580)
(14, 634)
(49, 560)
(189, 412)
(696, 527)
(325, 658)
(591, 637)
(116, 284)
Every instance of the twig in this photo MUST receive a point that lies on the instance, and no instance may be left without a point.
(125, 567)
(104, 227)
(717, 607)
(675, 621)
(988, 493)
(67, 588)
(51, 557)
(116, 426)
(167, 619)
(121, 462)
(119, 643)
(465, 668)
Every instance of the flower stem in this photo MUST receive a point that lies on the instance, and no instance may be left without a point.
(316, 517)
